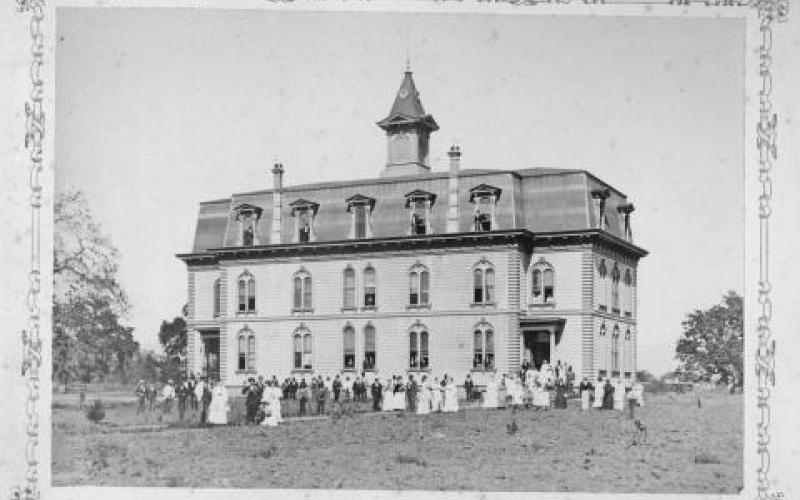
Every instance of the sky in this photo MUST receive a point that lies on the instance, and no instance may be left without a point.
(160, 109)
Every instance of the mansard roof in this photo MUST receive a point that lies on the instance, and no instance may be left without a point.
(539, 200)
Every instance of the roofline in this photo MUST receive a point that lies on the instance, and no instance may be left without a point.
(431, 175)
(213, 255)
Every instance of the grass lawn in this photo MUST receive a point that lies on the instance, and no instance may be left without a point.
(688, 449)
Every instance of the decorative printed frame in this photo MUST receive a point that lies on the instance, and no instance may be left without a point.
(769, 12)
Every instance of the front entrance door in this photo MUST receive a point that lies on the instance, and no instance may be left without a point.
(536, 347)
(211, 356)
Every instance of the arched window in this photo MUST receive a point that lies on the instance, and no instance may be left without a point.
(603, 330)
(627, 295)
(369, 348)
(615, 352)
(349, 288)
(217, 297)
(247, 350)
(628, 334)
(349, 343)
(302, 349)
(542, 282)
(483, 283)
(483, 347)
(247, 293)
(370, 290)
(302, 291)
(615, 290)
(418, 289)
(418, 348)
(602, 273)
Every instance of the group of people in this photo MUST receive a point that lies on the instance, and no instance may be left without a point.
(208, 399)
(549, 386)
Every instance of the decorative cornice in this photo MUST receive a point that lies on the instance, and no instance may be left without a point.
(432, 241)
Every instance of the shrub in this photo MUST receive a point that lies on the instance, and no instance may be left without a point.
(96, 411)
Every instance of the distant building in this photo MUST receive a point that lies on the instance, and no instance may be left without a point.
(465, 271)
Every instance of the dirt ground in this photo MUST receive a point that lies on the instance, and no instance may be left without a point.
(689, 449)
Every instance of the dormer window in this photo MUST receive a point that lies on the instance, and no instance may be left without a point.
(600, 196)
(625, 212)
(419, 205)
(484, 197)
(247, 216)
(304, 212)
(360, 208)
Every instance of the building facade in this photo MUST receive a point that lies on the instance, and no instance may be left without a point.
(464, 271)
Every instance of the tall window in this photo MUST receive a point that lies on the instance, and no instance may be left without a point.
(615, 351)
(483, 343)
(247, 216)
(349, 342)
(247, 350)
(418, 349)
(247, 293)
(542, 282)
(602, 274)
(303, 212)
(628, 293)
(360, 221)
(360, 208)
(419, 218)
(349, 285)
(302, 349)
(419, 204)
(615, 290)
(369, 287)
(302, 291)
(369, 348)
(217, 297)
(483, 283)
(418, 290)
(484, 197)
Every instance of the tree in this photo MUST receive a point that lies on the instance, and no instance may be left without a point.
(713, 341)
(172, 336)
(88, 300)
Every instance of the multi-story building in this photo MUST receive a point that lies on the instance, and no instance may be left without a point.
(415, 271)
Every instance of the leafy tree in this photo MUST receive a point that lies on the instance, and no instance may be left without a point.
(172, 336)
(88, 300)
(713, 341)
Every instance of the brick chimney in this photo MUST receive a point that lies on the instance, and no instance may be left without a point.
(452, 200)
(277, 186)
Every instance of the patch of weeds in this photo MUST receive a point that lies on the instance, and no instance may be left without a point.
(270, 452)
(409, 459)
(100, 456)
(705, 457)
(96, 411)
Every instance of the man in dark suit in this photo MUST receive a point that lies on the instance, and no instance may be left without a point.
(411, 394)
(192, 399)
(337, 388)
(468, 387)
(252, 400)
(377, 393)
(183, 394)
(205, 402)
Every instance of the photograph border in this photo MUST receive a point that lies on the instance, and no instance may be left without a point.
(768, 11)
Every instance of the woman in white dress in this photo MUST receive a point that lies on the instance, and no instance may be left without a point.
(637, 393)
(490, 396)
(387, 402)
(424, 396)
(450, 396)
(619, 395)
(271, 406)
(598, 393)
(218, 410)
(436, 396)
(514, 388)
